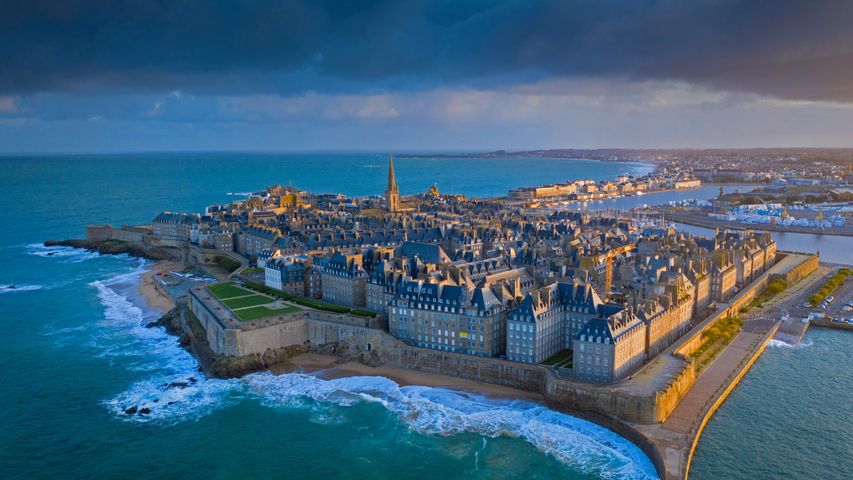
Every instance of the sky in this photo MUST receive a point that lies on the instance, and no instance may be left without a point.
(414, 75)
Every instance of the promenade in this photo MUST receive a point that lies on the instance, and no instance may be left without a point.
(676, 438)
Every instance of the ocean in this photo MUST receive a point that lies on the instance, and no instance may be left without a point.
(76, 352)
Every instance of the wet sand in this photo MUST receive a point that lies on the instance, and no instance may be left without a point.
(153, 296)
(326, 367)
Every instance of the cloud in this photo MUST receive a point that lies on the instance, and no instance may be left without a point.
(787, 49)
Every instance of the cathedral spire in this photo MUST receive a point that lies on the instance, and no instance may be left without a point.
(392, 195)
(392, 179)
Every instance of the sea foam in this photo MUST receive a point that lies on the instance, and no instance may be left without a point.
(174, 391)
(804, 343)
(439, 411)
(67, 254)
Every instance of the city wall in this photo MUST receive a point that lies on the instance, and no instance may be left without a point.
(706, 417)
(356, 338)
(100, 233)
(806, 264)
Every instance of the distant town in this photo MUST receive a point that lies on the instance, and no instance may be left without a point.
(607, 313)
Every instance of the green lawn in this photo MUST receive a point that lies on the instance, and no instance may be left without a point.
(259, 312)
(251, 301)
(228, 290)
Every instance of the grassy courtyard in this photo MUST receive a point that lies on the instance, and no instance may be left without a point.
(246, 304)
(253, 313)
(250, 301)
(224, 291)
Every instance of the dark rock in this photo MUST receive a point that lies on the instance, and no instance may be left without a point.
(178, 385)
(130, 411)
(144, 411)
(116, 247)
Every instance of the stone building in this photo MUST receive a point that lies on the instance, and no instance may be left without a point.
(448, 317)
(723, 277)
(382, 286)
(174, 226)
(611, 346)
(548, 319)
(343, 280)
(254, 239)
(285, 274)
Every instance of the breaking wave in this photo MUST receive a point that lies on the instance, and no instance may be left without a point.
(439, 411)
(804, 343)
(68, 254)
(175, 391)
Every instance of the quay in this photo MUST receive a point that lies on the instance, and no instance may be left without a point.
(828, 323)
(703, 220)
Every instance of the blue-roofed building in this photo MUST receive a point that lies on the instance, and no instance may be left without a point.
(449, 317)
(426, 252)
(286, 274)
(610, 346)
(174, 226)
(383, 283)
(256, 238)
(343, 279)
(548, 319)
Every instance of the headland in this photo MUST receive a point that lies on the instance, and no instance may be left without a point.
(626, 323)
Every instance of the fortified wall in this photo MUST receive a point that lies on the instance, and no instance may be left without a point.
(101, 233)
(789, 266)
(360, 338)
(644, 402)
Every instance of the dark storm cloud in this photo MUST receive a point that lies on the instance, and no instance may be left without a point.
(788, 49)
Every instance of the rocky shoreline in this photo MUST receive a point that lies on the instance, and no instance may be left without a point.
(116, 247)
(221, 366)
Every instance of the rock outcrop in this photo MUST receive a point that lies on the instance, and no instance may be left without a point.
(115, 247)
(232, 367)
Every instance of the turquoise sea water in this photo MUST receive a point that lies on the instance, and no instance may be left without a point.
(74, 352)
(790, 417)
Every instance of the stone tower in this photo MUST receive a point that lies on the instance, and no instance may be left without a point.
(392, 195)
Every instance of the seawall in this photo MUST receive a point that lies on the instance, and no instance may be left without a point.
(709, 412)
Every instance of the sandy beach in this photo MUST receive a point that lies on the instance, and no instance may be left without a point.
(327, 368)
(154, 297)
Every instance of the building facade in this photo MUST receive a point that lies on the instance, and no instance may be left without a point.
(447, 317)
(343, 280)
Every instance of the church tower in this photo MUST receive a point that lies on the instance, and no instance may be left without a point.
(392, 195)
